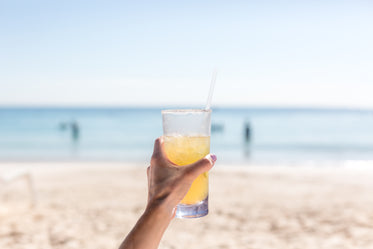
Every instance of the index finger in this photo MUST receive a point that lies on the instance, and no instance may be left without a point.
(158, 152)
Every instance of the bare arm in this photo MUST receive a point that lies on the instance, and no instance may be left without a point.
(148, 230)
(167, 186)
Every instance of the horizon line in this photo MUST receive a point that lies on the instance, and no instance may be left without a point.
(279, 107)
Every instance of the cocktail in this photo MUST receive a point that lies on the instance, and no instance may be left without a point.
(186, 140)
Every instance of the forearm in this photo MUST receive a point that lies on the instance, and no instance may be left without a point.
(149, 229)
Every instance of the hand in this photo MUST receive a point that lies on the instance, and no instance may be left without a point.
(168, 183)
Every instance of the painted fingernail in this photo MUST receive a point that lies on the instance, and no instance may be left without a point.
(213, 158)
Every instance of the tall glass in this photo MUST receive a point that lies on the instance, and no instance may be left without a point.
(186, 140)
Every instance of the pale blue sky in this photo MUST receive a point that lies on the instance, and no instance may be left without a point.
(273, 53)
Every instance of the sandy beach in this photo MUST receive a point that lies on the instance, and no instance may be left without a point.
(94, 205)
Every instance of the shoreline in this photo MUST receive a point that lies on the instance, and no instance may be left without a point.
(325, 165)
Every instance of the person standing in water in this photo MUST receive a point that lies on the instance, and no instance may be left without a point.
(75, 131)
(247, 139)
(247, 132)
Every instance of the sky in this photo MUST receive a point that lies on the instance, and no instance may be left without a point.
(160, 53)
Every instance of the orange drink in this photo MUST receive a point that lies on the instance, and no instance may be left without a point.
(183, 150)
(186, 135)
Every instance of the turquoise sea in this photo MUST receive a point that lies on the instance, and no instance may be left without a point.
(278, 135)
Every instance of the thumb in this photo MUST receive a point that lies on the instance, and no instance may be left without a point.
(205, 164)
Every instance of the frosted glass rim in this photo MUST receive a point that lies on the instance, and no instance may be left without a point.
(185, 111)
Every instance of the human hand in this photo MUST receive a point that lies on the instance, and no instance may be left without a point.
(168, 183)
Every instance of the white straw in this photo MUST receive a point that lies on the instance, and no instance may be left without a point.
(211, 92)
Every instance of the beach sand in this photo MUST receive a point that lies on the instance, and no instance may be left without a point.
(94, 205)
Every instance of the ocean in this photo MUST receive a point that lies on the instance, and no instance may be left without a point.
(276, 135)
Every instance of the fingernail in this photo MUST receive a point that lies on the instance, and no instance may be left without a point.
(213, 158)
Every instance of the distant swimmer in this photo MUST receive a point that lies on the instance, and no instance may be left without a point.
(247, 138)
(217, 128)
(75, 131)
(247, 132)
(73, 128)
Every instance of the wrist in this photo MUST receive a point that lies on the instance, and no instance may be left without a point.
(161, 210)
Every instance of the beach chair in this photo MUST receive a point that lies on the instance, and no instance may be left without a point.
(21, 174)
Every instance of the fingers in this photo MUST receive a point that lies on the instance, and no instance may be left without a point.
(201, 166)
(158, 153)
(157, 147)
